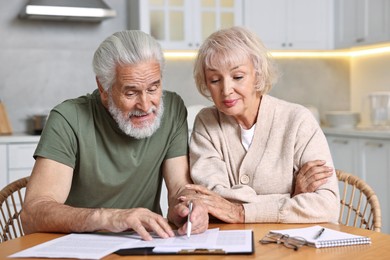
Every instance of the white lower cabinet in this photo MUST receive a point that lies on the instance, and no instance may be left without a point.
(3, 165)
(16, 157)
(368, 158)
(344, 153)
(20, 160)
(374, 156)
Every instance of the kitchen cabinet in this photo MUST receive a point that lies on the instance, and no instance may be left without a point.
(361, 22)
(367, 157)
(287, 25)
(3, 165)
(183, 24)
(16, 157)
(344, 153)
(375, 169)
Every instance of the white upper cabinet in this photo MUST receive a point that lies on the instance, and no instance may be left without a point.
(183, 24)
(287, 25)
(361, 22)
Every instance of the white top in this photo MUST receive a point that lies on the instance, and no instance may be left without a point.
(247, 136)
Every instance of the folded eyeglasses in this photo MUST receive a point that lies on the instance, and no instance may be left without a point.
(289, 242)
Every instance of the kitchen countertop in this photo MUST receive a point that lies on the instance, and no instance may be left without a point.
(19, 138)
(380, 133)
(353, 132)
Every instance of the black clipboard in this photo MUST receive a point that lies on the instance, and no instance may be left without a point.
(197, 251)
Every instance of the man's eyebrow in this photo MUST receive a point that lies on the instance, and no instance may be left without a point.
(133, 87)
(156, 82)
(130, 87)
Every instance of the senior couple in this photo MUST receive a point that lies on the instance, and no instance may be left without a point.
(252, 157)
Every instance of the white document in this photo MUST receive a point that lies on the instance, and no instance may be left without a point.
(98, 245)
(196, 240)
(82, 246)
(229, 241)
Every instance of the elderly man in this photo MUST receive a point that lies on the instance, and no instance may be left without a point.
(101, 157)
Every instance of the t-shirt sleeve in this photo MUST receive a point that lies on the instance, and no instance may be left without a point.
(178, 142)
(58, 141)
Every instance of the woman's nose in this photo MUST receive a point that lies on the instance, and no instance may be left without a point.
(227, 88)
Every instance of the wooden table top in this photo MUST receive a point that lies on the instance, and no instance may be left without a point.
(378, 249)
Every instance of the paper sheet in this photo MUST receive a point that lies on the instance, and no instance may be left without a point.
(82, 246)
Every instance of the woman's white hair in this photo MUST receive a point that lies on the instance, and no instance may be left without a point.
(124, 48)
(230, 46)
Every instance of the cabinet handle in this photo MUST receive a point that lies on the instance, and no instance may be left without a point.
(340, 141)
(360, 40)
(190, 44)
(283, 45)
(290, 44)
(374, 145)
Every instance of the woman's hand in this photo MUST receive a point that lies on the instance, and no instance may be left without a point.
(216, 205)
(311, 176)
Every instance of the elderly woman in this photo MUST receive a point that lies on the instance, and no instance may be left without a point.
(254, 157)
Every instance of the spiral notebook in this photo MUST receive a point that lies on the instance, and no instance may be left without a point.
(328, 237)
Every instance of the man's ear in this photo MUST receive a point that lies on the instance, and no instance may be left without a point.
(103, 92)
(100, 87)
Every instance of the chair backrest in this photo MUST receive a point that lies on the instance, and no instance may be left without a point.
(359, 204)
(11, 202)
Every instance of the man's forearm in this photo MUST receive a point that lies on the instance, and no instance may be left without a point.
(50, 216)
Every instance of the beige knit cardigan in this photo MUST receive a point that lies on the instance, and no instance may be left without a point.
(262, 179)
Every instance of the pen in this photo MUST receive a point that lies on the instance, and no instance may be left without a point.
(189, 224)
(319, 233)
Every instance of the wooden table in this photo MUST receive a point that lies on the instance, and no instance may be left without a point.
(379, 249)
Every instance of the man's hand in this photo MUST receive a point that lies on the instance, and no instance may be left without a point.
(311, 176)
(216, 205)
(199, 216)
(140, 220)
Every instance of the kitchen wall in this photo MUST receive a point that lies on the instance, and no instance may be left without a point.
(322, 83)
(370, 73)
(43, 63)
(304, 81)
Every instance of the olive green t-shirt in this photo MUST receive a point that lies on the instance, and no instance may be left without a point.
(111, 169)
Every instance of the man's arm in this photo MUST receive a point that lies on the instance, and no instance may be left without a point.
(44, 209)
(176, 176)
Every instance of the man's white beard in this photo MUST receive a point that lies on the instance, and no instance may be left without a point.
(146, 130)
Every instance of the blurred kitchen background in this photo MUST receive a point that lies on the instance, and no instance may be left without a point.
(331, 55)
(45, 62)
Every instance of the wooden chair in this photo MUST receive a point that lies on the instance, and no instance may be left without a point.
(359, 204)
(11, 202)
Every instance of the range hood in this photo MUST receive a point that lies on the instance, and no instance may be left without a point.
(67, 10)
